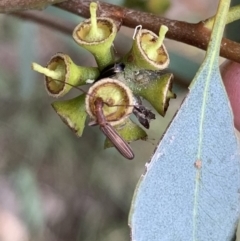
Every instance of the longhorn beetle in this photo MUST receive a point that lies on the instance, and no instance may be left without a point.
(143, 115)
(119, 143)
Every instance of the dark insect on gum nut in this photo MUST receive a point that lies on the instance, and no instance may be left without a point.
(111, 70)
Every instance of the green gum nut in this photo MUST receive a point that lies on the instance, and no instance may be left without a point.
(73, 113)
(157, 90)
(97, 35)
(129, 131)
(148, 50)
(117, 101)
(61, 74)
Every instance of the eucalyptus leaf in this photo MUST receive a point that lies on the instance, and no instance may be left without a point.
(190, 190)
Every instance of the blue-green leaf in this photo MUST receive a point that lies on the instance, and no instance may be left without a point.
(190, 190)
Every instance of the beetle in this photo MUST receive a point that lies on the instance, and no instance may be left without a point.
(141, 112)
(119, 143)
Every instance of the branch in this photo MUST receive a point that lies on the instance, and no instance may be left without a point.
(193, 34)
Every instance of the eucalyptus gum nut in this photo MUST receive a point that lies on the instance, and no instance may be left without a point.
(152, 85)
(230, 72)
(129, 131)
(73, 113)
(71, 73)
(157, 92)
(100, 44)
(138, 56)
(118, 99)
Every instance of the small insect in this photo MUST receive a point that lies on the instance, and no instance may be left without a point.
(111, 70)
(120, 144)
(143, 114)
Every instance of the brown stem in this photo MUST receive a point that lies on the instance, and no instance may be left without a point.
(189, 33)
(192, 34)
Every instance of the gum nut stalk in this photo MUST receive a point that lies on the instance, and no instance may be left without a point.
(61, 71)
(73, 113)
(148, 50)
(129, 131)
(97, 36)
(117, 99)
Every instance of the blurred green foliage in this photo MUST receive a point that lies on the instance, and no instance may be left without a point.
(151, 6)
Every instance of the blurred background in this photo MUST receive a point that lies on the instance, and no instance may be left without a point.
(53, 185)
